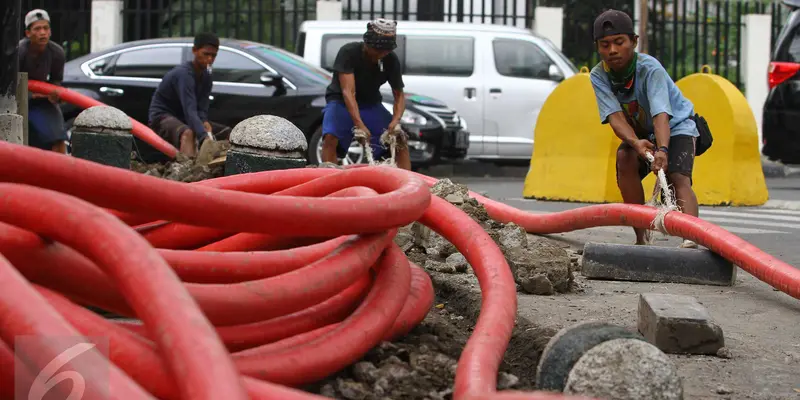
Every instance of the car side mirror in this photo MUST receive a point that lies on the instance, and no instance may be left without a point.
(271, 79)
(274, 79)
(555, 73)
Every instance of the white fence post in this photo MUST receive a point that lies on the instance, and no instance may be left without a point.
(549, 22)
(756, 48)
(106, 24)
(329, 10)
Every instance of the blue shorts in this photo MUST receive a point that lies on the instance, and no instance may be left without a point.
(336, 121)
(45, 124)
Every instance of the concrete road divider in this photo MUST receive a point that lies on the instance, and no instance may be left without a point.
(730, 172)
(574, 154)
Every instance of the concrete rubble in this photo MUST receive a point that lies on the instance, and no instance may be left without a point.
(186, 169)
(539, 266)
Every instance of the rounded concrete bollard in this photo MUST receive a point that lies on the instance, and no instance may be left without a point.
(263, 143)
(568, 345)
(566, 351)
(102, 134)
(625, 369)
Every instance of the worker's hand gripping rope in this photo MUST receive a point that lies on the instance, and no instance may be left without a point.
(668, 203)
(388, 139)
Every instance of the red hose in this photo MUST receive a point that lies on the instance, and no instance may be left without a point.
(290, 316)
(139, 130)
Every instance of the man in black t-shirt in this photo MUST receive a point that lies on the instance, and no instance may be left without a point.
(354, 100)
(43, 60)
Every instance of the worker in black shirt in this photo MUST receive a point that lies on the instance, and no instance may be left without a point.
(354, 102)
(179, 108)
(44, 61)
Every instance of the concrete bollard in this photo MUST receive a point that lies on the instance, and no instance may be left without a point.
(264, 143)
(603, 360)
(102, 134)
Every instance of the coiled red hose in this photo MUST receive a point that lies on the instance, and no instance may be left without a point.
(348, 286)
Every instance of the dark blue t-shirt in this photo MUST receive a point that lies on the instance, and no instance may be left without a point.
(183, 95)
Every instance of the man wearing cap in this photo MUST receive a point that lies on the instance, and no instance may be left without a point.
(44, 61)
(354, 102)
(647, 111)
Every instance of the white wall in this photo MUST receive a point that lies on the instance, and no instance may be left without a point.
(756, 48)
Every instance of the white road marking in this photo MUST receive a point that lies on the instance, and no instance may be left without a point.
(738, 229)
(723, 220)
(749, 215)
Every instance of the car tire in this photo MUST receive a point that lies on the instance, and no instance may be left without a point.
(312, 146)
(314, 143)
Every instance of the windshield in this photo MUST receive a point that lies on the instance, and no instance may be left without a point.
(560, 54)
(293, 67)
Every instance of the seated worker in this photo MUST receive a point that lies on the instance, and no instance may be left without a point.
(179, 107)
(647, 111)
(44, 61)
(354, 98)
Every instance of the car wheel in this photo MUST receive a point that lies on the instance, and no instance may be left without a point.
(355, 155)
(68, 127)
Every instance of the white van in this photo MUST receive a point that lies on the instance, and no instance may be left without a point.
(496, 77)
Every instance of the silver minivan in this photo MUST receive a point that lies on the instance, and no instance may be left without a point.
(496, 77)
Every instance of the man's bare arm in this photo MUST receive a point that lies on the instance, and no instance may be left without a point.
(661, 125)
(399, 106)
(348, 83)
(622, 128)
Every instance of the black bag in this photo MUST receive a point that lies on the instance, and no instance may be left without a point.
(705, 140)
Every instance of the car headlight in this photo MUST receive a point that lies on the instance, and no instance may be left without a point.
(463, 123)
(409, 117)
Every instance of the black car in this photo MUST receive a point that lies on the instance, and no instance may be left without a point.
(781, 118)
(250, 79)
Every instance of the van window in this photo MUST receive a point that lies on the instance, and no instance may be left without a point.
(521, 59)
(330, 48)
(439, 55)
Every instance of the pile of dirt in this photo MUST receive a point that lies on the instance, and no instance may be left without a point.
(540, 266)
(420, 366)
(185, 169)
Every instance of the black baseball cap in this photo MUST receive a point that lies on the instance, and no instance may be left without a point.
(612, 22)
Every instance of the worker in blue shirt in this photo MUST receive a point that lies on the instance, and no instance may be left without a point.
(179, 108)
(647, 111)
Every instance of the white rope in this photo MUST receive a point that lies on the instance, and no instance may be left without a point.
(667, 205)
(387, 139)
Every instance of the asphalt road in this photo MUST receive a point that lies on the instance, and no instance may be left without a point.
(771, 229)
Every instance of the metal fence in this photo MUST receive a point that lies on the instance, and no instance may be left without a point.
(267, 21)
(70, 23)
(683, 34)
(688, 34)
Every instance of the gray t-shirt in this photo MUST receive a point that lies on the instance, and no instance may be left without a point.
(47, 66)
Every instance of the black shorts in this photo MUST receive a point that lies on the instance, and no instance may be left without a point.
(680, 159)
(170, 129)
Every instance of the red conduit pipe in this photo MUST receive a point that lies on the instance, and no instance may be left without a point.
(763, 266)
(42, 324)
(401, 199)
(491, 276)
(199, 362)
(138, 357)
(140, 130)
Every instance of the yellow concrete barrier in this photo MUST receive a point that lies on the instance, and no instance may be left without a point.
(574, 154)
(730, 172)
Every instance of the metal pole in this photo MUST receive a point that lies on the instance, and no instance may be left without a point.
(10, 34)
(22, 103)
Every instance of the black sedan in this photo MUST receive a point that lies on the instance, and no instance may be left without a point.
(781, 118)
(251, 79)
